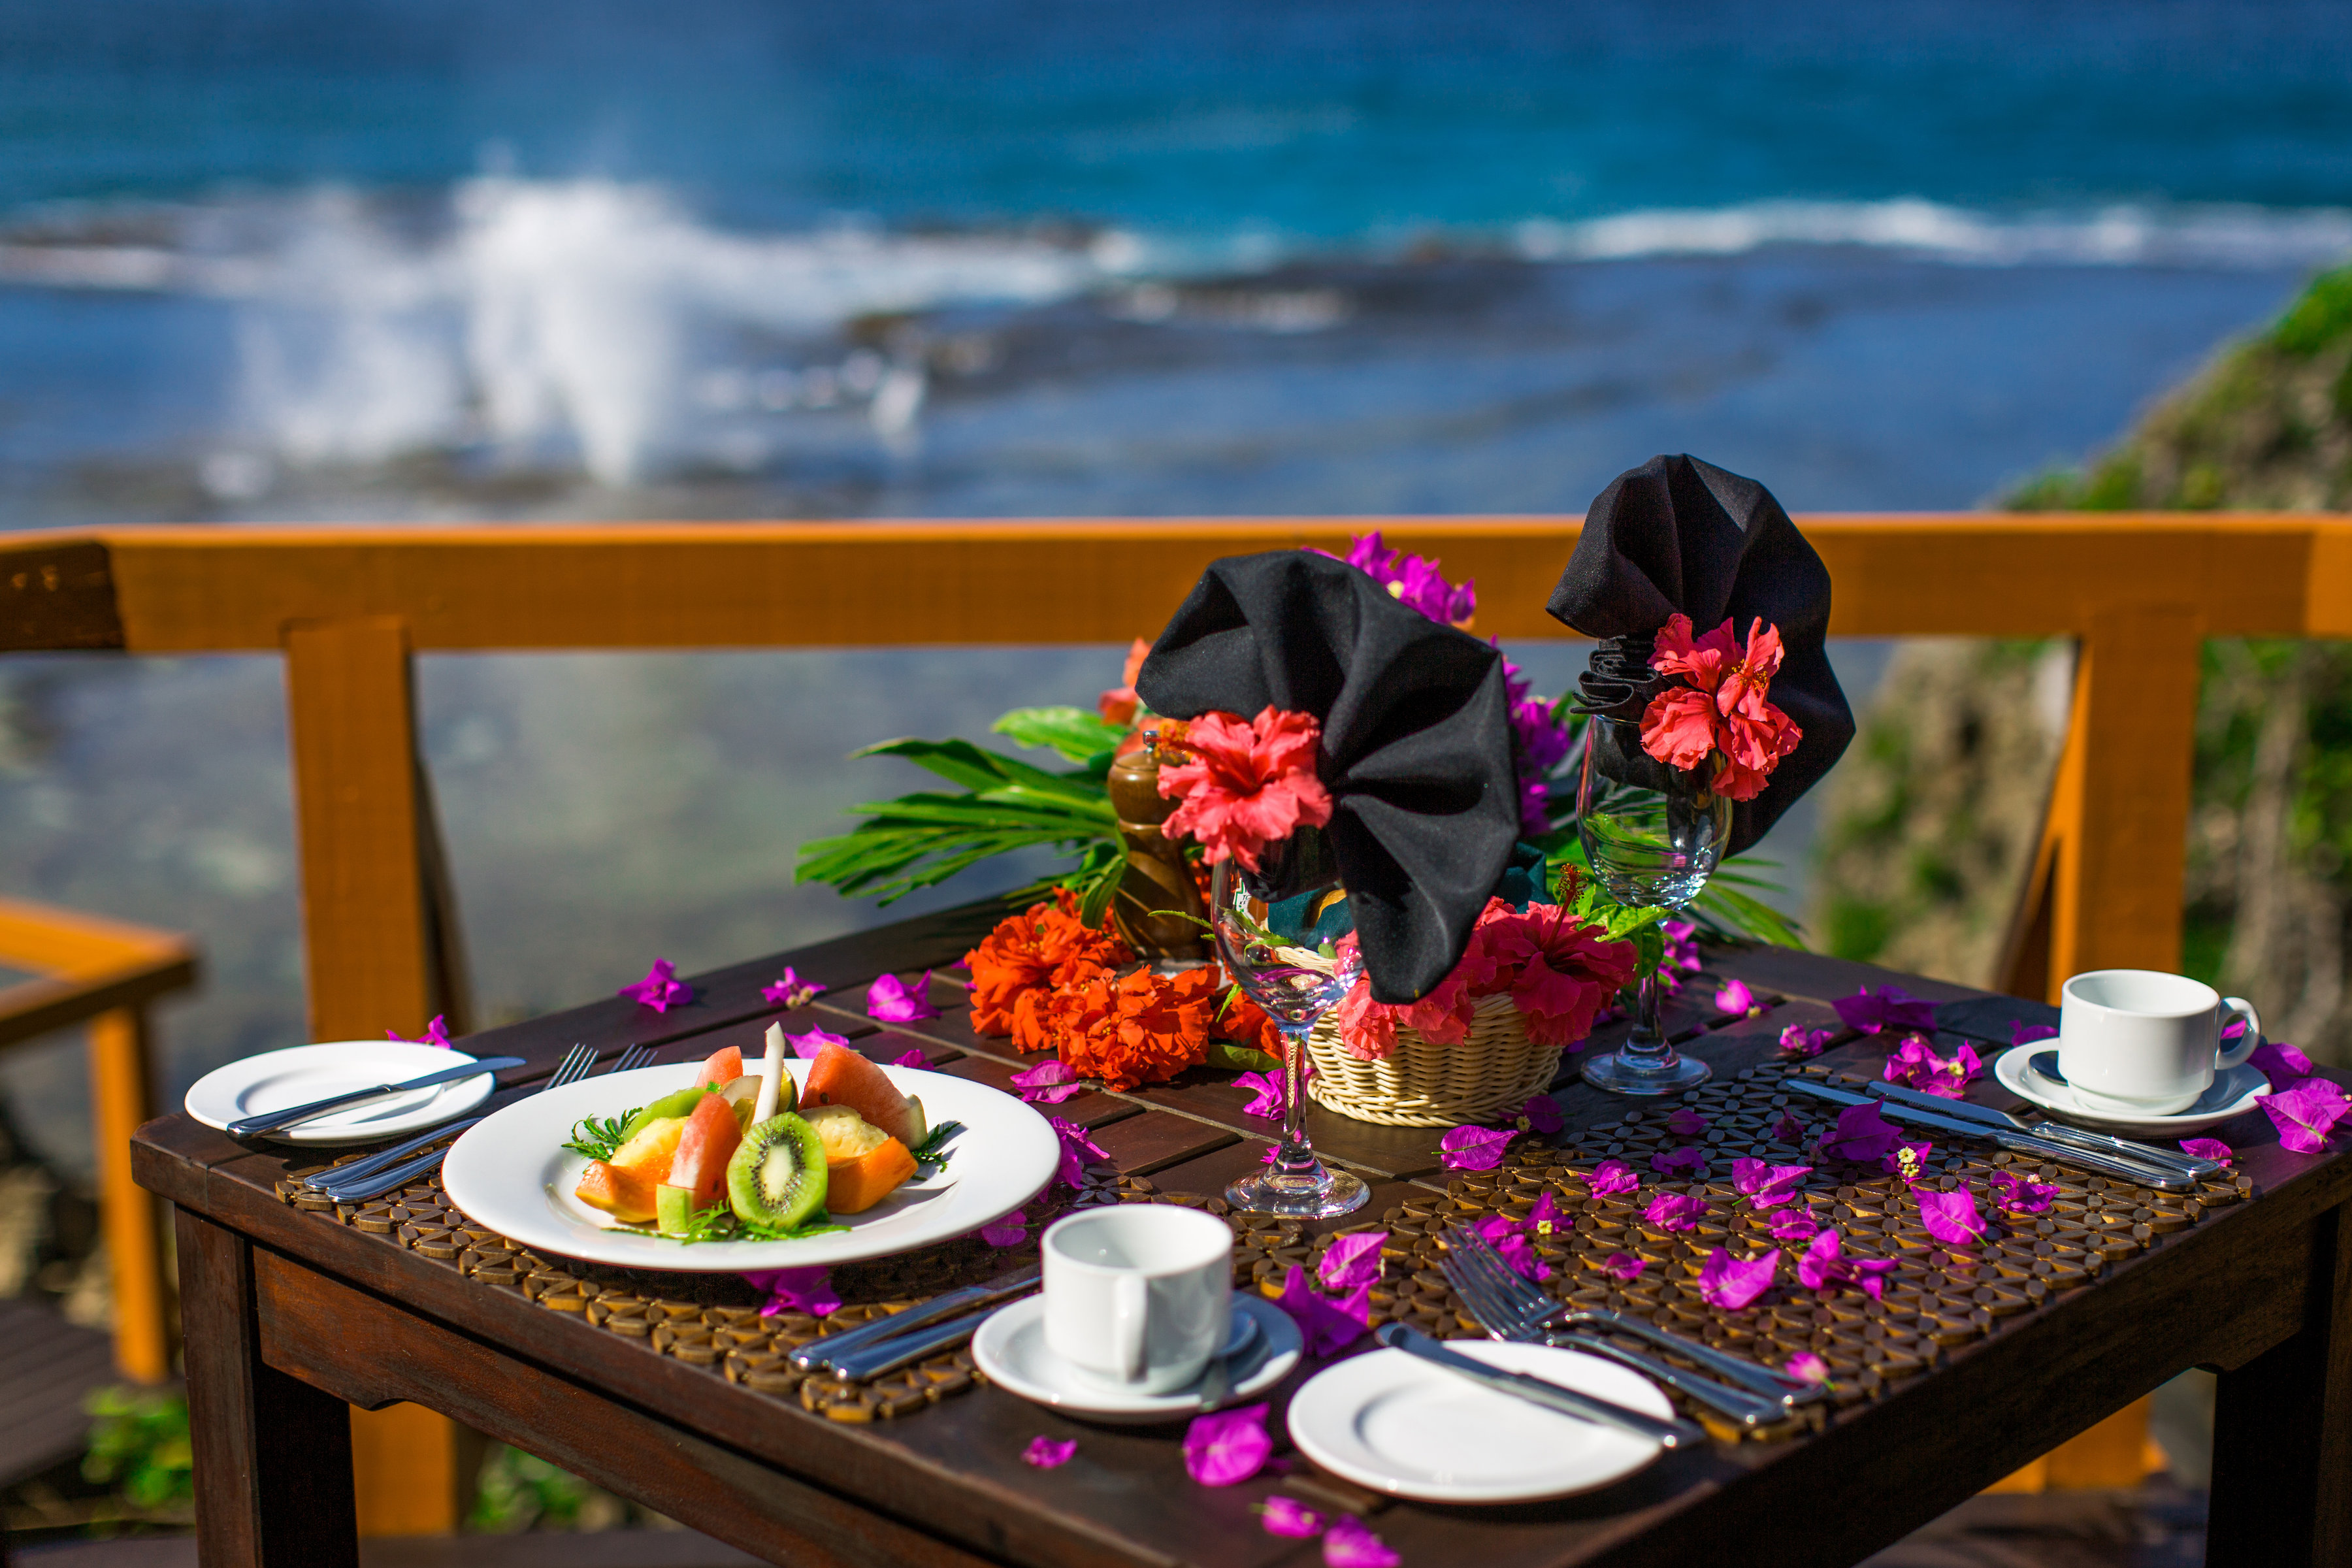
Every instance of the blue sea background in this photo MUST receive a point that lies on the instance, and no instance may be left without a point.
(429, 261)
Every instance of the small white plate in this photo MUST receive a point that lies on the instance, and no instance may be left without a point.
(2234, 1093)
(1398, 1425)
(1011, 1349)
(512, 1174)
(300, 1074)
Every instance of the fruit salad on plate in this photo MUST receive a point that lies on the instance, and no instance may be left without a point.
(732, 1158)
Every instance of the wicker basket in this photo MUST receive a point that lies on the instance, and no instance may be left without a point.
(1494, 1069)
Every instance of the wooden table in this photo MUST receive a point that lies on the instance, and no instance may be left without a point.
(289, 1318)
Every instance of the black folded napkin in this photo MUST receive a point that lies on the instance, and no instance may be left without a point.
(1677, 534)
(1416, 745)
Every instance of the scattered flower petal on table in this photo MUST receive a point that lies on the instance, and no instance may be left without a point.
(1352, 1260)
(2021, 1033)
(1809, 1366)
(1862, 1135)
(791, 991)
(1226, 1447)
(894, 1001)
(1547, 1217)
(1680, 1164)
(1789, 1130)
(1328, 1326)
(1824, 1267)
(1799, 1043)
(1047, 1454)
(1674, 1211)
(2208, 1149)
(2281, 1063)
(1915, 1064)
(2014, 1193)
(1611, 1177)
(1736, 999)
(1350, 1543)
(661, 989)
(1624, 1266)
(1732, 1285)
(1952, 1217)
(1472, 1148)
(806, 1290)
(1767, 1186)
(1271, 1097)
(436, 1033)
(1686, 1122)
(1050, 1082)
(1076, 1149)
(1794, 1225)
(2304, 1114)
(1283, 1516)
(1540, 1115)
(911, 1059)
(1908, 1161)
(813, 1044)
(1010, 1231)
(1512, 1244)
(1888, 1007)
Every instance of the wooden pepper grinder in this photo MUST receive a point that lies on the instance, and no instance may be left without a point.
(1157, 876)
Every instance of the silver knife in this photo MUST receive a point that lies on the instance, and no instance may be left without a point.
(2057, 1132)
(890, 1353)
(277, 1121)
(1676, 1434)
(2165, 1178)
(825, 1352)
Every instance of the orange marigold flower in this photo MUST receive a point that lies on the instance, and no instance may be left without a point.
(1035, 950)
(1156, 1026)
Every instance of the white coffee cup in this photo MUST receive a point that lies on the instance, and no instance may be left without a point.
(2145, 1041)
(1138, 1296)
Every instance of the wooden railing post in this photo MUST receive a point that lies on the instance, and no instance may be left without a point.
(121, 1096)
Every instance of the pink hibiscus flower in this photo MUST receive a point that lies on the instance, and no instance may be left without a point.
(1249, 783)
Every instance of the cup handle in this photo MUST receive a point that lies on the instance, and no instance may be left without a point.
(1130, 1308)
(2250, 1040)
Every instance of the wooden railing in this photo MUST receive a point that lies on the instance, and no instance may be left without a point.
(347, 607)
(105, 974)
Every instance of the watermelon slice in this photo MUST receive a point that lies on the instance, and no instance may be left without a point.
(723, 1068)
(840, 1076)
(703, 1149)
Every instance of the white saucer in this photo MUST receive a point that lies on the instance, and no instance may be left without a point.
(1396, 1424)
(1011, 1349)
(300, 1074)
(2234, 1093)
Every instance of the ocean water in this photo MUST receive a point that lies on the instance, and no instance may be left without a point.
(266, 260)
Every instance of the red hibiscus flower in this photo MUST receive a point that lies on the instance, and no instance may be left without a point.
(1117, 705)
(1722, 711)
(1249, 783)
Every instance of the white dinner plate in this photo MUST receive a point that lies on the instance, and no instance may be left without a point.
(300, 1074)
(2234, 1093)
(1398, 1425)
(511, 1173)
(1011, 1349)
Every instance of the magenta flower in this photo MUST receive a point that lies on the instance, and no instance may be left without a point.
(2304, 1114)
(1808, 1366)
(1767, 1187)
(806, 1290)
(1352, 1260)
(1738, 1000)
(1350, 1543)
(1050, 1082)
(893, 1000)
(1727, 1283)
(1915, 1064)
(1789, 1130)
(1270, 1104)
(1624, 1266)
(2207, 1149)
(1824, 1267)
(1799, 1043)
(1547, 1217)
(1686, 1122)
(2021, 1033)
(1540, 1115)
(1952, 1217)
(1862, 1135)
(1679, 1164)
(813, 1043)
(1412, 580)
(790, 990)
(1283, 1516)
(1908, 1161)
(2281, 1063)
(1047, 1454)
(1682, 953)
(1472, 1148)
(1674, 1211)
(1611, 1177)
(1326, 1326)
(1228, 1446)
(1076, 1149)
(911, 1059)
(1889, 1007)
(436, 1033)
(2014, 1193)
(1794, 1225)
(661, 989)
(1010, 1231)
(1512, 1244)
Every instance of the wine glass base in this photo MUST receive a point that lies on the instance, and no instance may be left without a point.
(1318, 1195)
(1620, 1072)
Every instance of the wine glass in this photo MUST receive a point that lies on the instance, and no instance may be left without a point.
(1651, 835)
(1285, 957)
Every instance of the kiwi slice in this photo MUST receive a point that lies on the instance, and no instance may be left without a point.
(777, 1174)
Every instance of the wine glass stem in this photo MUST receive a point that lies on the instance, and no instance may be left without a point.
(1298, 1155)
(1648, 1040)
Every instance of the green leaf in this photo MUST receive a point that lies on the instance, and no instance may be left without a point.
(1076, 733)
(1240, 1058)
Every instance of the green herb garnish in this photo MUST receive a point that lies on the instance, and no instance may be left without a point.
(598, 1136)
(933, 1153)
(719, 1223)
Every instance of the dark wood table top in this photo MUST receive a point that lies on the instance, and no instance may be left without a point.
(2242, 1282)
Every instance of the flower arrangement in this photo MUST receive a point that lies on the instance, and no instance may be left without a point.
(1721, 713)
(1559, 969)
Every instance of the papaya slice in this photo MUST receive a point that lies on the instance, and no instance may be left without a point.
(699, 1165)
(624, 1195)
(856, 1184)
(722, 1067)
(840, 1076)
(648, 1154)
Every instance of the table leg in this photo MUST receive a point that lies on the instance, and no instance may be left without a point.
(273, 1454)
(2282, 1431)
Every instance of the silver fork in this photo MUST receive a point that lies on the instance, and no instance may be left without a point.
(1538, 1309)
(1503, 1322)
(381, 1173)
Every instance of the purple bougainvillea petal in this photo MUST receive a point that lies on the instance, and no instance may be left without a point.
(436, 1033)
(1799, 1043)
(894, 1001)
(911, 1058)
(1889, 1007)
(2281, 1063)
(1472, 1148)
(1862, 1135)
(1613, 1176)
(1686, 1122)
(1788, 1130)
(1047, 1454)
(1547, 1217)
(1679, 1164)
(1326, 1326)
(1010, 1231)
(1727, 1282)
(1795, 1224)
(1736, 999)
(1540, 1115)
(1674, 1211)
(1350, 1543)
(806, 1290)
(2024, 1034)
(1624, 1266)
(1226, 1447)
(1269, 1105)
(661, 989)
(790, 990)
(1809, 1366)
(2304, 1114)
(1077, 1150)
(2018, 1195)
(813, 1042)
(2207, 1149)
(1352, 1260)
(1050, 1082)
(1283, 1516)
(1952, 1217)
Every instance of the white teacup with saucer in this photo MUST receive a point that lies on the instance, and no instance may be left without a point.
(2139, 1043)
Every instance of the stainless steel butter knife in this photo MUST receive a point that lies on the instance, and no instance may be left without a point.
(277, 1121)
